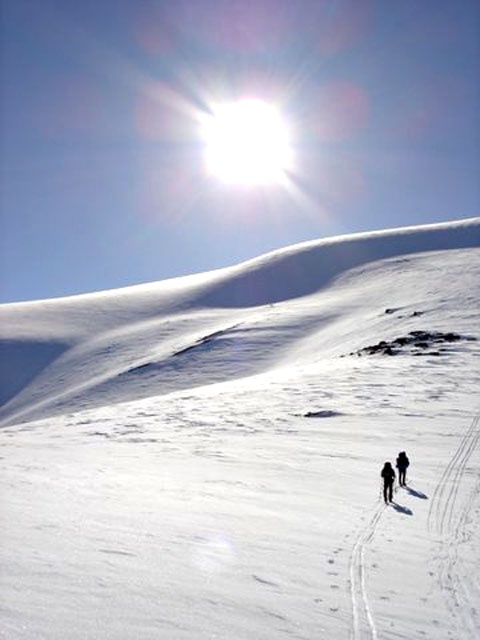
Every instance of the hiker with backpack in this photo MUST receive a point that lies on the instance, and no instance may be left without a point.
(388, 475)
(402, 465)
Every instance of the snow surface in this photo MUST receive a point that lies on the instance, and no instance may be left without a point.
(200, 457)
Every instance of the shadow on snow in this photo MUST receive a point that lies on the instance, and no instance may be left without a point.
(401, 509)
(416, 494)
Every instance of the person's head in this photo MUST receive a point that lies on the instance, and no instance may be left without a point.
(387, 465)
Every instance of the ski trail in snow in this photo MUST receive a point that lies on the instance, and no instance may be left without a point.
(455, 579)
(447, 518)
(470, 445)
(361, 611)
(445, 495)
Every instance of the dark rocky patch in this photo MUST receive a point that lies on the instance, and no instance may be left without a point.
(414, 314)
(323, 413)
(417, 343)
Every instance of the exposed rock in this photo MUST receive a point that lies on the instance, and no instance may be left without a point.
(415, 343)
(323, 413)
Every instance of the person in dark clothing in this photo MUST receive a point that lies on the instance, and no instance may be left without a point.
(402, 466)
(388, 475)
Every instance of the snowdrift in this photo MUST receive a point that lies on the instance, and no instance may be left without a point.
(83, 351)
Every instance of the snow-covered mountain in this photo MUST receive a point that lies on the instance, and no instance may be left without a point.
(315, 299)
(200, 457)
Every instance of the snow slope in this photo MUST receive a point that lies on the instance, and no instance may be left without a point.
(186, 332)
(161, 478)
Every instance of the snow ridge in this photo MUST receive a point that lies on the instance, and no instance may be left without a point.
(201, 457)
(138, 337)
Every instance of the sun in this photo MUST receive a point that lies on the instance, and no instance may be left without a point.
(247, 143)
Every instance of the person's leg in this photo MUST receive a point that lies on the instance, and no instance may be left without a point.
(385, 486)
(390, 492)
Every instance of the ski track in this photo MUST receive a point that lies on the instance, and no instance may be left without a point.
(362, 616)
(447, 519)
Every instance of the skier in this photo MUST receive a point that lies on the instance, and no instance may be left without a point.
(388, 475)
(402, 465)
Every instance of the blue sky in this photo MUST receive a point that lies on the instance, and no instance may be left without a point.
(102, 168)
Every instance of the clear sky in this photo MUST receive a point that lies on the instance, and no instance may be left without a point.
(103, 176)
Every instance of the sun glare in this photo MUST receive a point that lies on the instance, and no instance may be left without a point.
(247, 143)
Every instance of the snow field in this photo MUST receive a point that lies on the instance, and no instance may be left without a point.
(160, 478)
